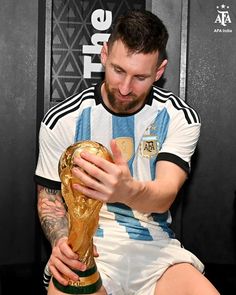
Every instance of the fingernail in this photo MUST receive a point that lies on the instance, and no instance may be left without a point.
(83, 268)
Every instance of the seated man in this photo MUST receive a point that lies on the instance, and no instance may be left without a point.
(152, 135)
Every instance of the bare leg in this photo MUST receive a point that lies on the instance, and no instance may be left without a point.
(53, 291)
(184, 279)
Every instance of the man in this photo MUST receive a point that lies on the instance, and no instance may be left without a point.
(152, 135)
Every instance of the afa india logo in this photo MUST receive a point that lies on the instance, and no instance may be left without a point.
(222, 19)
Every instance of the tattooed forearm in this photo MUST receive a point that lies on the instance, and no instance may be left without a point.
(52, 214)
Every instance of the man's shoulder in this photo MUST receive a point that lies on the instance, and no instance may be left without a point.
(164, 95)
(175, 105)
(69, 106)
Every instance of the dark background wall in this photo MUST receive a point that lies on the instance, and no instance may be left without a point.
(18, 92)
(204, 217)
(18, 119)
(209, 210)
(209, 221)
(208, 224)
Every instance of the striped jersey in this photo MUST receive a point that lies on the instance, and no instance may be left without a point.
(165, 128)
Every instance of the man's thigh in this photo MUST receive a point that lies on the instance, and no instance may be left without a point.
(184, 279)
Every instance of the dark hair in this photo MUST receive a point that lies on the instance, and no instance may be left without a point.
(141, 32)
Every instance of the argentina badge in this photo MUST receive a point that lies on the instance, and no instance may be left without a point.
(149, 146)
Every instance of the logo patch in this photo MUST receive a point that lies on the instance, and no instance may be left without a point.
(149, 146)
(223, 20)
(126, 145)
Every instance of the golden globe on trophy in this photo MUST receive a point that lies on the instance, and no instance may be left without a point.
(83, 215)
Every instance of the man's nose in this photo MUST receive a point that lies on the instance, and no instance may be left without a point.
(125, 86)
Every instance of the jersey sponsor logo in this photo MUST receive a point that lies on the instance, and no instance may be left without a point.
(149, 146)
(126, 145)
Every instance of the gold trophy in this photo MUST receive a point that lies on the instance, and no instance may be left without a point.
(83, 214)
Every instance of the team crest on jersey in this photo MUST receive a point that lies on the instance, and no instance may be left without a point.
(149, 146)
(126, 145)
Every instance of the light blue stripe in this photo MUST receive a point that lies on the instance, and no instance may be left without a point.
(83, 126)
(125, 217)
(125, 127)
(161, 219)
(83, 132)
(150, 137)
(160, 125)
(99, 233)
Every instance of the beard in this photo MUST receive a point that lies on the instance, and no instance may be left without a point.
(124, 106)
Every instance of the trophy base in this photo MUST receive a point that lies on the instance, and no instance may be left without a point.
(89, 282)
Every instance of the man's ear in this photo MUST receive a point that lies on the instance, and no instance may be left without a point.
(161, 69)
(104, 53)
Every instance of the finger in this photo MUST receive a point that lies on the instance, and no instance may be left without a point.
(65, 259)
(117, 155)
(63, 248)
(64, 274)
(85, 179)
(95, 161)
(71, 263)
(58, 276)
(95, 252)
(91, 193)
(94, 176)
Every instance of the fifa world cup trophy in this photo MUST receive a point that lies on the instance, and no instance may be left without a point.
(83, 214)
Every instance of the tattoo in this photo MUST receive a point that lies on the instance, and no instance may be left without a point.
(51, 191)
(52, 214)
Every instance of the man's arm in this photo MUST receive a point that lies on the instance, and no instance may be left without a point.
(158, 195)
(52, 214)
(53, 218)
(112, 182)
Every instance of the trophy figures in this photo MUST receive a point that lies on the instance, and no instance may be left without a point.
(83, 214)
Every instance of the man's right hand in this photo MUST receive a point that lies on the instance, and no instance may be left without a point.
(62, 261)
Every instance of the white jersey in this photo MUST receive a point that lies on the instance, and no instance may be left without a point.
(165, 128)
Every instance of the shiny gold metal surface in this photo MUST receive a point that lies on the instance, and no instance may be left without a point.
(83, 212)
(85, 281)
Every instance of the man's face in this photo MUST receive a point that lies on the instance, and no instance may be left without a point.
(128, 77)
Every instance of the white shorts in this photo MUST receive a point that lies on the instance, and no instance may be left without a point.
(130, 267)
